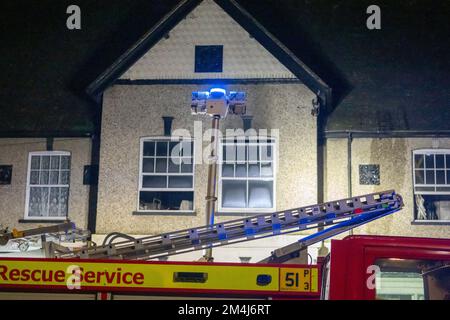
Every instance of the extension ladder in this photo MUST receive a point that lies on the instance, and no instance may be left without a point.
(343, 215)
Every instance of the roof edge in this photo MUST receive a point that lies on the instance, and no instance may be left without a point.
(150, 38)
(277, 48)
(344, 134)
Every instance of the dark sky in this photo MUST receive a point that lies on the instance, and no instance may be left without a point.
(393, 78)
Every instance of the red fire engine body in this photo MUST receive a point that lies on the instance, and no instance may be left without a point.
(356, 268)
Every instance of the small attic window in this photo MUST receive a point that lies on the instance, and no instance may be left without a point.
(208, 58)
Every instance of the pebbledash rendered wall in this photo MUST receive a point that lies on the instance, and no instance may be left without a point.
(394, 155)
(131, 112)
(12, 197)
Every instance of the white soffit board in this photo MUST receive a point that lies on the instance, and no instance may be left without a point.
(207, 24)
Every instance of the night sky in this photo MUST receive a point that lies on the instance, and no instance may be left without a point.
(396, 78)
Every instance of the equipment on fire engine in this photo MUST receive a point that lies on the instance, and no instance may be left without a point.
(63, 232)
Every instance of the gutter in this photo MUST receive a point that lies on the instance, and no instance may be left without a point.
(344, 134)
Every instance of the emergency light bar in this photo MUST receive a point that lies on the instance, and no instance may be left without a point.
(216, 102)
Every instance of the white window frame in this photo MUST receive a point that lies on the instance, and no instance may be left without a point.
(27, 199)
(167, 174)
(424, 152)
(274, 161)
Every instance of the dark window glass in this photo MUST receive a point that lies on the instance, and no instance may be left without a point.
(430, 177)
(161, 149)
(429, 161)
(149, 149)
(440, 177)
(420, 177)
(440, 161)
(418, 160)
(208, 58)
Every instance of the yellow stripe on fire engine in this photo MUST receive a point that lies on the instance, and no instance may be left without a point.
(138, 275)
(299, 279)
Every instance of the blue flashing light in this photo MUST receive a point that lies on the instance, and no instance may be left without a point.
(218, 90)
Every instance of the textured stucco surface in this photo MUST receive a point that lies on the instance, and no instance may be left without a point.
(394, 157)
(132, 112)
(173, 57)
(12, 197)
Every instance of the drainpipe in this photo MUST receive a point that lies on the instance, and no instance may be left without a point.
(349, 168)
(212, 180)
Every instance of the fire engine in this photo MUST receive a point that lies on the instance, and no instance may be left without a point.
(358, 266)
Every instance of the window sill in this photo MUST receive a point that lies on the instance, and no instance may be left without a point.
(42, 220)
(165, 213)
(241, 213)
(431, 222)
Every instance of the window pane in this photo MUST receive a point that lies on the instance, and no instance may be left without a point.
(234, 194)
(34, 204)
(45, 162)
(447, 161)
(54, 177)
(174, 165)
(260, 194)
(420, 177)
(440, 177)
(54, 162)
(154, 181)
(241, 170)
(187, 148)
(161, 149)
(227, 170)
(38, 202)
(448, 176)
(241, 153)
(148, 165)
(35, 162)
(429, 177)
(54, 202)
(266, 152)
(174, 149)
(186, 165)
(424, 189)
(266, 169)
(65, 162)
(418, 160)
(166, 200)
(429, 161)
(44, 177)
(63, 201)
(229, 153)
(149, 149)
(64, 177)
(432, 207)
(34, 177)
(399, 279)
(253, 153)
(180, 182)
(440, 161)
(253, 170)
(161, 165)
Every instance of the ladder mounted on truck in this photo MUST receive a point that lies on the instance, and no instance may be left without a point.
(342, 215)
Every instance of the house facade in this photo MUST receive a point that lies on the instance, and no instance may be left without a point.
(42, 181)
(152, 173)
(281, 99)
